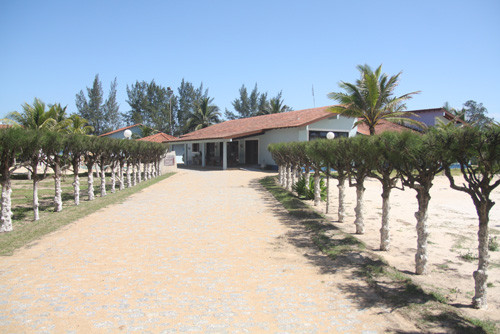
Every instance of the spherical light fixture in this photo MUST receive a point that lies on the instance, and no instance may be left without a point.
(127, 133)
(330, 135)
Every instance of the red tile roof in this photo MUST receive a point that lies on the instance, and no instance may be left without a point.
(159, 138)
(382, 126)
(255, 125)
(122, 129)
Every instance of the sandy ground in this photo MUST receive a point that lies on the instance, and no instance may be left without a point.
(453, 227)
(202, 251)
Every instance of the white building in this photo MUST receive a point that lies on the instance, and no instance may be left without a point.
(245, 141)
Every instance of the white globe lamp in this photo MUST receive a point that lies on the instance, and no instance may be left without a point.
(127, 133)
(330, 135)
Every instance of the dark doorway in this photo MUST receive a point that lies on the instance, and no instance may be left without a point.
(251, 152)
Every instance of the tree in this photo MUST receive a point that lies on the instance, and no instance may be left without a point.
(76, 149)
(111, 110)
(35, 116)
(248, 105)
(101, 115)
(189, 98)
(370, 99)
(79, 125)
(275, 105)
(150, 106)
(475, 114)
(417, 161)
(478, 153)
(12, 144)
(384, 170)
(55, 147)
(205, 114)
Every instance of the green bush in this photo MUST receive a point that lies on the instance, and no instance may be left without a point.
(300, 188)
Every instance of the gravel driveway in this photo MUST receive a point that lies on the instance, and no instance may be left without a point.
(202, 251)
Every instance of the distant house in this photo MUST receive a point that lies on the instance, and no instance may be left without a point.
(432, 117)
(159, 137)
(119, 133)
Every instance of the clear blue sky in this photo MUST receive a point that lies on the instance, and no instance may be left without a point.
(449, 50)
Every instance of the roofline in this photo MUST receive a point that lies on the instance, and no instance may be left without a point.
(121, 129)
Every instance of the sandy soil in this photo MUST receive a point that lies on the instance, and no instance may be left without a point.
(453, 226)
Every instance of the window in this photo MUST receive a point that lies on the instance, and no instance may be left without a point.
(322, 134)
(196, 147)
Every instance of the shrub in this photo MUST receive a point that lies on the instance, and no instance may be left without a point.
(308, 194)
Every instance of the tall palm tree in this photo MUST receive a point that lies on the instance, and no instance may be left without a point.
(34, 116)
(370, 99)
(204, 115)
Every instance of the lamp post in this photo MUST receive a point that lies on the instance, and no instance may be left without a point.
(170, 92)
(330, 135)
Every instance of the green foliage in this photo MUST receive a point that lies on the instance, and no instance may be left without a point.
(204, 115)
(493, 244)
(371, 99)
(151, 105)
(308, 193)
(101, 115)
(35, 116)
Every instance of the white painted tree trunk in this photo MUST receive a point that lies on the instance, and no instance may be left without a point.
(280, 175)
(341, 209)
(90, 183)
(359, 209)
(148, 173)
(145, 171)
(58, 191)
(76, 182)
(288, 177)
(6, 218)
(139, 178)
(134, 175)
(423, 199)
(317, 188)
(294, 174)
(385, 230)
(29, 175)
(129, 181)
(36, 205)
(120, 179)
(113, 178)
(103, 181)
(308, 178)
(158, 168)
(481, 274)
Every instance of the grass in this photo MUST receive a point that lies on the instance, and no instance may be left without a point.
(25, 230)
(427, 310)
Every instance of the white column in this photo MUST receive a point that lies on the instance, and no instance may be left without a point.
(224, 155)
(203, 155)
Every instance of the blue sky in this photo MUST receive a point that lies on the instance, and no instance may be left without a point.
(449, 50)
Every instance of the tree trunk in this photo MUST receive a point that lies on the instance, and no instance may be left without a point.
(280, 175)
(294, 174)
(481, 274)
(113, 178)
(385, 230)
(57, 183)
(341, 210)
(76, 182)
(134, 175)
(359, 221)
(139, 178)
(103, 180)
(423, 198)
(317, 188)
(120, 178)
(327, 189)
(36, 205)
(307, 177)
(129, 181)
(90, 181)
(29, 178)
(6, 218)
(289, 177)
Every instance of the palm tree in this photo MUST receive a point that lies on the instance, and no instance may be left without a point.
(204, 115)
(34, 116)
(79, 125)
(370, 99)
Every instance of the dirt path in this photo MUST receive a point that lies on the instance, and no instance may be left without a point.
(202, 251)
